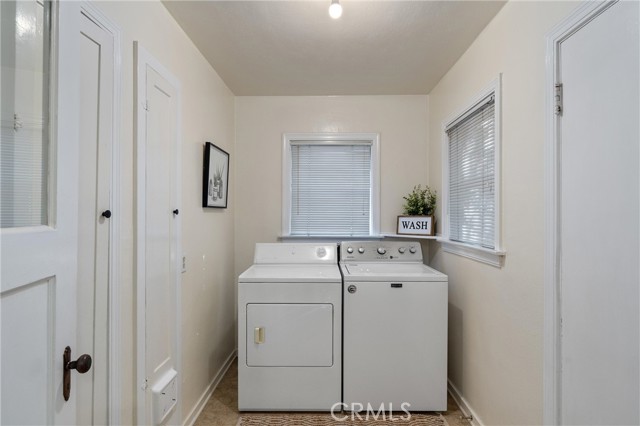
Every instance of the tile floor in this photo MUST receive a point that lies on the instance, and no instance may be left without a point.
(222, 407)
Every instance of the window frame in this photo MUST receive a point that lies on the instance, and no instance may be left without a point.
(495, 256)
(372, 139)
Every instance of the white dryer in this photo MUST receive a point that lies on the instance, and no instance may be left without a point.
(395, 328)
(289, 329)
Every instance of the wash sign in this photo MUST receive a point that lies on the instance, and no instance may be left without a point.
(416, 225)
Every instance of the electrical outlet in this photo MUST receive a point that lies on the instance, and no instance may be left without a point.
(184, 263)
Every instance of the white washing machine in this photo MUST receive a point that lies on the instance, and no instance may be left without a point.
(395, 328)
(289, 329)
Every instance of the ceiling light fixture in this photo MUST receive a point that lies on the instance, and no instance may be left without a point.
(335, 10)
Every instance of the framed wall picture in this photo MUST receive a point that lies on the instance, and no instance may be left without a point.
(215, 188)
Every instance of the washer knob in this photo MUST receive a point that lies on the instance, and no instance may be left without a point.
(349, 249)
(412, 250)
(361, 250)
(401, 250)
(381, 250)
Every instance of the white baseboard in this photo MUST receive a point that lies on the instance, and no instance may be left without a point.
(197, 409)
(464, 405)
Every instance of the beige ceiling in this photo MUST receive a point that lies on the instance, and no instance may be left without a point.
(295, 48)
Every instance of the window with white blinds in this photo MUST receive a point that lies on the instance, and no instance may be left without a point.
(472, 176)
(331, 188)
(24, 113)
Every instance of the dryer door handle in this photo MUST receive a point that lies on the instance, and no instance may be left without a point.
(258, 335)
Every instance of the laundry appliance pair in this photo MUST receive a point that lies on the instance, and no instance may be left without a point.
(319, 333)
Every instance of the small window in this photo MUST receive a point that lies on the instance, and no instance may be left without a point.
(330, 185)
(472, 177)
(472, 201)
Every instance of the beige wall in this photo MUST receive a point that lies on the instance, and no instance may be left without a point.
(208, 321)
(496, 315)
(260, 123)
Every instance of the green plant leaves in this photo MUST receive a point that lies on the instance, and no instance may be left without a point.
(420, 202)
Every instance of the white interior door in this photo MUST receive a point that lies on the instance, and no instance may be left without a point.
(39, 210)
(94, 186)
(600, 220)
(158, 230)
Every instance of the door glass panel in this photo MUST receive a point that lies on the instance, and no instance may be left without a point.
(24, 112)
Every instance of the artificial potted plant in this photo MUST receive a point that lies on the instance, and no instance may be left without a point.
(418, 210)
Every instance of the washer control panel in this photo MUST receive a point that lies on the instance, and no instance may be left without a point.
(278, 253)
(376, 251)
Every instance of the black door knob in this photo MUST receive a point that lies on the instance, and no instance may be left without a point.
(106, 213)
(176, 211)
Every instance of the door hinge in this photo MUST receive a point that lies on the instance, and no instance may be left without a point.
(146, 106)
(558, 98)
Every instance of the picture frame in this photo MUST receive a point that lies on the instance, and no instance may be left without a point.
(215, 182)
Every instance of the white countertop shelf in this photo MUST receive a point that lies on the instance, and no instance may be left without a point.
(419, 237)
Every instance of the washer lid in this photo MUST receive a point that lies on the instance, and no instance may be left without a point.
(388, 271)
(291, 273)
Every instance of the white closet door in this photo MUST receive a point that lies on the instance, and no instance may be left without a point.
(158, 244)
(95, 147)
(600, 220)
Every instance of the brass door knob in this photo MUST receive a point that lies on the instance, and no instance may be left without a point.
(81, 365)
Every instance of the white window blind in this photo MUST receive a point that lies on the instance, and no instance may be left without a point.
(331, 189)
(472, 169)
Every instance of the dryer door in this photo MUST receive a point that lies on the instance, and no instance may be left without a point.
(289, 335)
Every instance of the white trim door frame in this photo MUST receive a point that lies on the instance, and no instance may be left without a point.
(145, 61)
(552, 351)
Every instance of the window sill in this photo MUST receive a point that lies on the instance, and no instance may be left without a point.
(490, 257)
(409, 237)
(327, 238)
